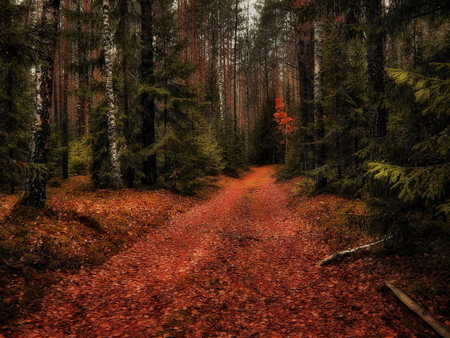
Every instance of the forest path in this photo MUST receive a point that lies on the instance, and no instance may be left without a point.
(239, 265)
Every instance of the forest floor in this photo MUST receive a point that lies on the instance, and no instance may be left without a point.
(240, 264)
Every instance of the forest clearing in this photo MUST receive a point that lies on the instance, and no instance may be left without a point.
(241, 263)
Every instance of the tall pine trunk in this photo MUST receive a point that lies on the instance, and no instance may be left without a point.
(36, 183)
(112, 134)
(64, 81)
(148, 102)
(83, 73)
(375, 71)
(306, 85)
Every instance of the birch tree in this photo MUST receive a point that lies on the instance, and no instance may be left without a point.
(36, 183)
(321, 181)
(112, 134)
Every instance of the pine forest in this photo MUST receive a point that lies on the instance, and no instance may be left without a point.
(151, 103)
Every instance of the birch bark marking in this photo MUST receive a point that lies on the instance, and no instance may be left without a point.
(319, 133)
(112, 137)
(220, 65)
(36, 183)
(318, 65)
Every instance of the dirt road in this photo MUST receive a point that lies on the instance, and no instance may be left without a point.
(239, 265)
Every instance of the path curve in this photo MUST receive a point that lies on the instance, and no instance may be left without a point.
(239, 265)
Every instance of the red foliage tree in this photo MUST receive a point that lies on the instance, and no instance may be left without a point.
(285, 123)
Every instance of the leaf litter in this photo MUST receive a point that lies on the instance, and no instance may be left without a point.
(241, 264)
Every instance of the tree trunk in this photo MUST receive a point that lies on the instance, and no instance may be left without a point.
(65, 104)
(36, 183)
(318, 87)
(112, 136)
(375, 71)
(321, 180)
(148, 102)
(83, 75)
(123, 36)
(305, 69)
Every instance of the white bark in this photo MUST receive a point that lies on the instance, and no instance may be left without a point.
(36, 184)
(112, 134)
(221, 87)
(220, 66)
(318, 65)
(337, 255)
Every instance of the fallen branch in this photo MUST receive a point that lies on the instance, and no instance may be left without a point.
(336, 255)
(417, 309)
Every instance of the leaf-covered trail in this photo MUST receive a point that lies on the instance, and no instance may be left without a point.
(239, 265)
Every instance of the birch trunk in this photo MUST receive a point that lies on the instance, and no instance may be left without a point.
(36, 183)
(319, 134)
(112, 134)
(221, 88)
(220, 65)
(318, 65)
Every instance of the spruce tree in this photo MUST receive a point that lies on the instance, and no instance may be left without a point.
(420, 178)
(16, 57)
(185, 145)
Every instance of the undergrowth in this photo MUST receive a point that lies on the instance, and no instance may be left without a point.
(419, 262)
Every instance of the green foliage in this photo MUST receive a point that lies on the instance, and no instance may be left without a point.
(16, 99)
(186, 147)
(423, 183)
(98, 141)
(189, 154)
(405, 174)
(55, 158)
(79, 158)
(232, 148)
(413, 180)
(344, 119)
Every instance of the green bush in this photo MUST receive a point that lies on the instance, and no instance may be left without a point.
(79, 158)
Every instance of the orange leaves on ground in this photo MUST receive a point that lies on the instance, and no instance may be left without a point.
(239, 265)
